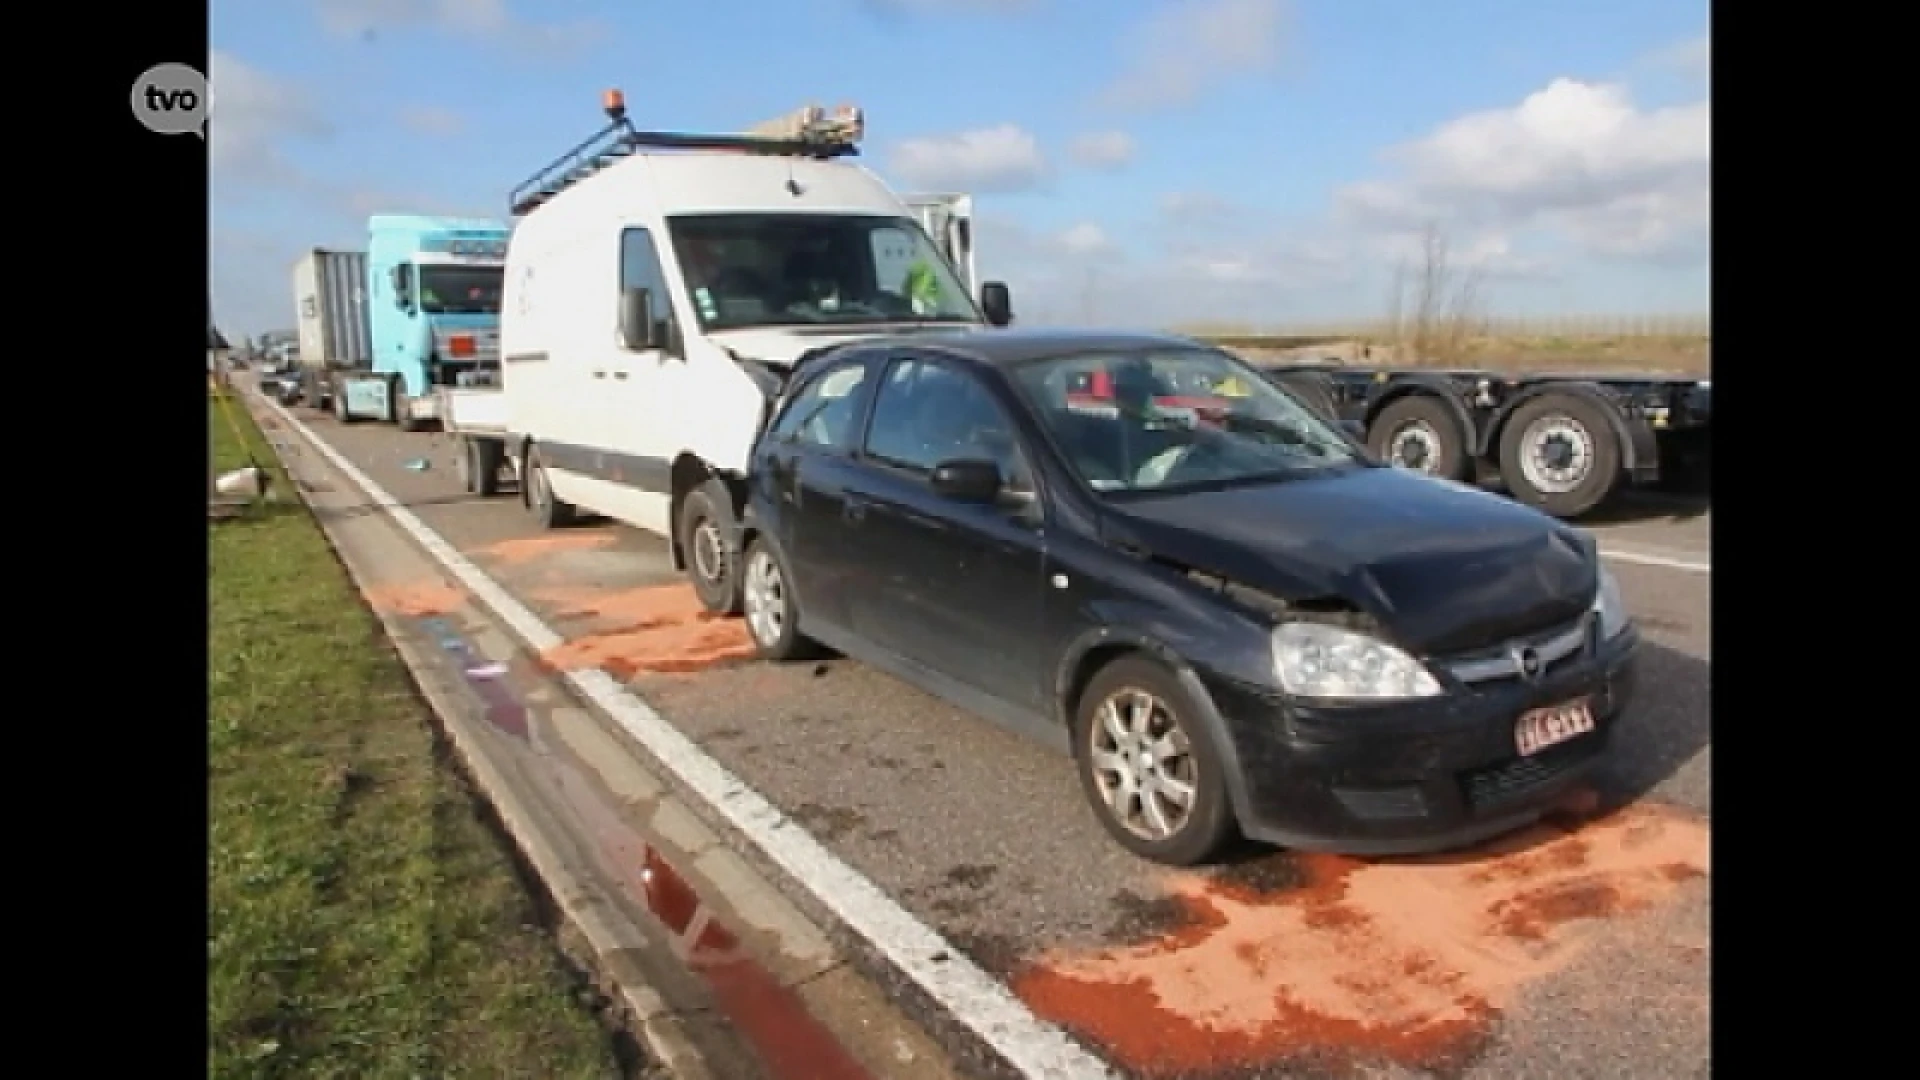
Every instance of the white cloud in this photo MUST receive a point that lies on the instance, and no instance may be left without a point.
(433, 120)
(1577, 159)
(1103, 149)
(481, 20)
(251, 116)
(1182, 50)
(1005, 158)
(1085, 238)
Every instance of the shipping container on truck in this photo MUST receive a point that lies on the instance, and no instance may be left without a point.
(334, 330)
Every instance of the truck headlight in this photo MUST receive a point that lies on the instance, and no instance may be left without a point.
(1312, 660)
(1609, 608)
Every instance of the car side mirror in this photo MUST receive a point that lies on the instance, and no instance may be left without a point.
(996, 303)
(639, 330)
(967, 480)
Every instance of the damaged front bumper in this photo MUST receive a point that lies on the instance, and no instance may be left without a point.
(1420, 776)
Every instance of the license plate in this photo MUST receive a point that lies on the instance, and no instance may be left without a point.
(1551, 726)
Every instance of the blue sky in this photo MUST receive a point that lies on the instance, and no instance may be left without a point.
(1248, 161)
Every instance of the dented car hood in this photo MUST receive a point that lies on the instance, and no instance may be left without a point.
(1441, 568)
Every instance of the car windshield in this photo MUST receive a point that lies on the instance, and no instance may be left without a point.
(460, 290)
(1161, 421)
(747, 270)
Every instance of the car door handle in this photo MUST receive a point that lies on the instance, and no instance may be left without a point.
(620, 375)
(599, 374)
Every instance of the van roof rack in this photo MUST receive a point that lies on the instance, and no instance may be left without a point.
(810, 132)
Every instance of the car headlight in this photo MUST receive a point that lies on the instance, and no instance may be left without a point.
(1609, 608)
(1317, 661)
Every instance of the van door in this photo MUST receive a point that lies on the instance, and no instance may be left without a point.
(644, 398)
(948, 220)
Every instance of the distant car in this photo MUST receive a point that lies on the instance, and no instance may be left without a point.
(1135, 547)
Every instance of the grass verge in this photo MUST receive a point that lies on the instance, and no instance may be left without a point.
(363, 920)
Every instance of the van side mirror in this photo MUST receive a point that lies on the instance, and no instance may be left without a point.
(966, 481)
(639, 330)
(996, 303)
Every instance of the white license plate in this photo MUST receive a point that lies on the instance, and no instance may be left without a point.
(1551, 726)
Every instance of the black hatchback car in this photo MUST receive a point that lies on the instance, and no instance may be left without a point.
(1134, 547)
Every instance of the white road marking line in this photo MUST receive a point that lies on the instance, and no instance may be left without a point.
(976, 999)
(1648, 558)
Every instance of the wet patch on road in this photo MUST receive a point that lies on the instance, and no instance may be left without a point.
(1405, 962)
(829, 823)
(1142, 920)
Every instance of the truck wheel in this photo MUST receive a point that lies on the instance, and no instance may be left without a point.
(480, 466)
(1558, 453)
(398, 412)
(548, 510)
(340, 411)
(1420, 433)
(711, 566)
(1315, 391)
(469, 467)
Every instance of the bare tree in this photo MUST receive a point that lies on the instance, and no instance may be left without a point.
(1433, 307)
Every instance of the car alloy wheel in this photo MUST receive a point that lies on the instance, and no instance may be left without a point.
(1143, 764)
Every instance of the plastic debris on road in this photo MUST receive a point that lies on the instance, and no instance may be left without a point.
(419, 464)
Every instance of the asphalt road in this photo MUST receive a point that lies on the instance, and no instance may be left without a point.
(1577, 949)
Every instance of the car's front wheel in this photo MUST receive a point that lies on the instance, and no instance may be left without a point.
(1149, 766)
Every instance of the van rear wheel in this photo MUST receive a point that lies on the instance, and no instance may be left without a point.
(547, 509)
(712, 564)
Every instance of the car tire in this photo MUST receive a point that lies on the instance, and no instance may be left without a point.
(711, 567)
(1552, 424)
(1208, 821)
(767, 601)
(1421, 434)
(548, 509)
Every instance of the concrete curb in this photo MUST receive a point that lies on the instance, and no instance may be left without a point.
(645, 1013)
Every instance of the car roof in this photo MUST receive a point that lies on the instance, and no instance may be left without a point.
(1004, 347)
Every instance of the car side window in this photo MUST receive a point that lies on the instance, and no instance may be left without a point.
(926, 412)
(823, 412)
(640, 269)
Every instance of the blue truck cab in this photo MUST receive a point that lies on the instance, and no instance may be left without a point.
(431, 310)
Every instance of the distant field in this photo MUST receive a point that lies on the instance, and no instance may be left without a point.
(1677, 344)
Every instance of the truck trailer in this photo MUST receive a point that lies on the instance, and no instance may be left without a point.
(1563, 443)
(381, 330)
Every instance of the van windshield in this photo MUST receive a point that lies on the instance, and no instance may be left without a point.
(746, 270)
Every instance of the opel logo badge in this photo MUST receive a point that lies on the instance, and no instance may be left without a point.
(1529, 662)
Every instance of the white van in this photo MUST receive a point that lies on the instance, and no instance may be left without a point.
(657, 285)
